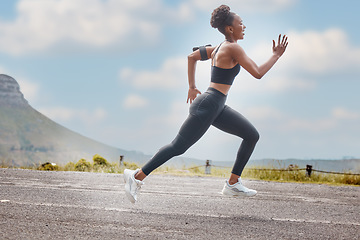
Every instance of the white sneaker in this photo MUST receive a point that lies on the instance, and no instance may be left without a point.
(132, 185)
(237, 189)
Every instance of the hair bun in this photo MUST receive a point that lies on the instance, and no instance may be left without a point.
(219, 16)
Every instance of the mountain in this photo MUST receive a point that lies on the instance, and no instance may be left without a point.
(27, 137)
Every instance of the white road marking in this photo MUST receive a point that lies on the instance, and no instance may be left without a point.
(122, 209)
(4, 200)
(313, 221)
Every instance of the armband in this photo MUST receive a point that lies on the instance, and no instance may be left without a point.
(203, 52)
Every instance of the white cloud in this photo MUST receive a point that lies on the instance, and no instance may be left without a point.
(271, 118)
(305, 54)
(308, 125)
(309, 54)
(171, 75)
(313, 52)
(61, 114)
(264, 113)
(29, 89)
(245, 5)
(135, 101)
(345, 114)
(274, 83)
(40, 25)
(320, 52)
(283, 83)
(166, 121)
(64, 114)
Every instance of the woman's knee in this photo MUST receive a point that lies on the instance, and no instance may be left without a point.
(178, 150)
(180, 145)
(253, 136)
(256, 136)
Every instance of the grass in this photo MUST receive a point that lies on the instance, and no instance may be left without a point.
(300, 176)
(285, 175)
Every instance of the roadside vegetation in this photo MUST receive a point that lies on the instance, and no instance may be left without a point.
(280, 174)
(98, 164)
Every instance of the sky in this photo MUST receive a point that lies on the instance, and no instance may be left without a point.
(116, 71)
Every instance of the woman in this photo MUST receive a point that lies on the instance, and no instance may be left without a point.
(209, 108)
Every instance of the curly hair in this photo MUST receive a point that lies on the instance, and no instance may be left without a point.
(222, 17)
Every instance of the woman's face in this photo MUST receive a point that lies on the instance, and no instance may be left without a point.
(238, 27)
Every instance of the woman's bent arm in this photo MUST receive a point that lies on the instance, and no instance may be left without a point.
(192, 59)
(193, 91)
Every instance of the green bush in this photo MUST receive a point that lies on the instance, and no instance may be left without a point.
(131, 165)
(82, 165)
(70, 166)
(100, 161)
(48, 167)
(113, 168)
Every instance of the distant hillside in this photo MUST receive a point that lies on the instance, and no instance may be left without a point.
(28, 137)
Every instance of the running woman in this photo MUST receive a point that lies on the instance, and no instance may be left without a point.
(209, 108)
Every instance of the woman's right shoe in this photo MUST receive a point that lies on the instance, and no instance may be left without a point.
(132, 185)
(237, 189)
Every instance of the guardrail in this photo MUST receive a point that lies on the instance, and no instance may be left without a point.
(308, 169)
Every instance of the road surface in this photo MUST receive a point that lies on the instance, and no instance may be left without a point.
(75, 205)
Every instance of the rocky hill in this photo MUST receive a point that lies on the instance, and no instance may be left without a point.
(27, 137)
(10, 94)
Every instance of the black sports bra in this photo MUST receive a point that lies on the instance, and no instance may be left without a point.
(223, 75)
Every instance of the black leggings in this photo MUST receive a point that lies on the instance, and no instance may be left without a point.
(209, 109)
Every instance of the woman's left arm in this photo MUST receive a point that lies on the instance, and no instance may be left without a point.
(249, 65)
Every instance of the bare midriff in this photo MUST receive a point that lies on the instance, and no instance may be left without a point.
(224, 88)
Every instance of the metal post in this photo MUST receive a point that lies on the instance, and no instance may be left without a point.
(121, 160)
(308, 170)
(208, 167)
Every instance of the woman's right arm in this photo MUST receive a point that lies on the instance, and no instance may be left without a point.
(249, 65)
(192, 60)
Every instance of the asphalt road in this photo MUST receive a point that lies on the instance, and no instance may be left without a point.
(73, 205)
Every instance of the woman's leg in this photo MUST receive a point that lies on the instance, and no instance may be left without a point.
(202, 114)
(232, 122)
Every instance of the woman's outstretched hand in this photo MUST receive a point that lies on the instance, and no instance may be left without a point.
(192, 94)
(281, 46)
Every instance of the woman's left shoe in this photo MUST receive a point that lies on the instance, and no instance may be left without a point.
(132, 185)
